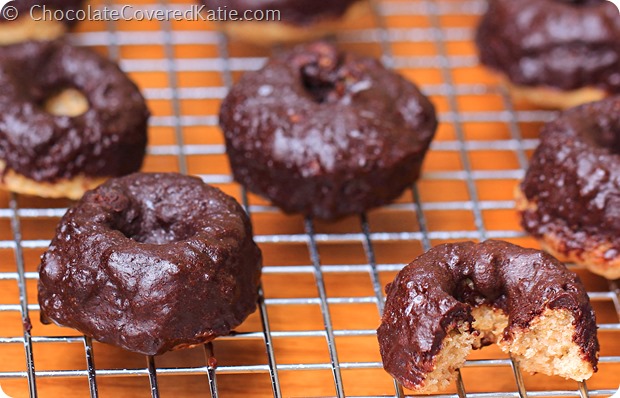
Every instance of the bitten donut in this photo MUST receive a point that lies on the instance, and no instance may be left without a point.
(70, 119)
(28, 21)
(326, 133)
(285, 21)
(570, 196)
(553, 53)
(151, 263)
(458, 296)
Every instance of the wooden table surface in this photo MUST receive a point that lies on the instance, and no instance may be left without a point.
(474, 165)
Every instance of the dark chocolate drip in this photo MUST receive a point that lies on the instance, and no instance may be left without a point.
(436, 291)
(150, 263)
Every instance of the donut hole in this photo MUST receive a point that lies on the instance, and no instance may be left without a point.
(610, 140)
(322, 85)
(152, 230)
(66, 102)
(149, 222)
(163, 235)
(145, 213)
(607, 138)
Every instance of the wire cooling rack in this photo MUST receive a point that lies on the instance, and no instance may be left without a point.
(322, 291)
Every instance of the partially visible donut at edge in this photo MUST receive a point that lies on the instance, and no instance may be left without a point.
(570, 197)
(151, 263)
(37, 20)
(326, 133)
(553, 53)
(58, 155)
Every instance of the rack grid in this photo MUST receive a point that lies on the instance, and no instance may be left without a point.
(322, 291)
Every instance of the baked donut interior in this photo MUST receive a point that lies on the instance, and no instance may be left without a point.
(545, 346)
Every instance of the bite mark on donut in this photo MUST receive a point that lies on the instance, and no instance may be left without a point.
(547, 346)
(521, 299)
(456, 347)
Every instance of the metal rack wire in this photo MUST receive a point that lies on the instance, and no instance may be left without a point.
(310, 235)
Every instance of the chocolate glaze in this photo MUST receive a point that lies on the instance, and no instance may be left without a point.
(438, 289)
(108, 140)
(574, 178)
(326, 133)
(297, 12)
(24, 6)
(557, 43)
(151, 263)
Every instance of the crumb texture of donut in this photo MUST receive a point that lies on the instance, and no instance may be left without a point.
(456, 346)
(464, 296)
(547, 344)
(570, 196)
(326, 133)
(151, 263)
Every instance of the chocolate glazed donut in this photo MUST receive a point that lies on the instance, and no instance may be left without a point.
(25, 27)
(570, 197)
(456, 296)
(151, 263)
(55, 155)
(326, 133)
(560, 45)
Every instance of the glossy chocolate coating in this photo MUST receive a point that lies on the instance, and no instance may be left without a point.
(557, 43)
(151, 263)
(297, 12)
(438, 289)
(107, 140)
(326, 133)
(574, 178)
(24, 6)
